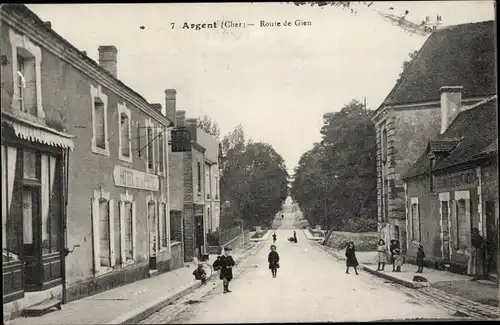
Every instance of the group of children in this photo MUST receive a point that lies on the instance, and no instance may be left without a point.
(396, 258)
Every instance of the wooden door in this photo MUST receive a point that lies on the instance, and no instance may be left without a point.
(32, 256)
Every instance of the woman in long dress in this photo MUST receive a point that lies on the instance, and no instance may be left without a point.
(475, 266)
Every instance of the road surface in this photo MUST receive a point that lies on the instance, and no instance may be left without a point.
(311, 286)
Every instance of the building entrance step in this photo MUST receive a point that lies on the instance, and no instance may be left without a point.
(42, 308)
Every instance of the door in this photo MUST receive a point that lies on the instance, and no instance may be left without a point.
(491, 237)
(199, 235)
(30, 208)
(152, 234)
(445, 230)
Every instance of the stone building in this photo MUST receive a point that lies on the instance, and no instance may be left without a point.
(453, 186)
(187, 188)
(410, 115)
(109, 226)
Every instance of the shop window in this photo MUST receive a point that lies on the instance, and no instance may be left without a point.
(125, 143)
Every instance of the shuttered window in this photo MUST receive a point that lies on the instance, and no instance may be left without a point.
(164, 237)
(150, 147)
(127, 229)
(125, 134)
(20, 81)
(99, 120)
(104, 234)
(198, 174)
(161, 160)
(30, 102)
(463, 224)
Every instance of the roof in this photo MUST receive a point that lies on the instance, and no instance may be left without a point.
(477, 129)
(443, 145)
(460, 55)
(24, 10)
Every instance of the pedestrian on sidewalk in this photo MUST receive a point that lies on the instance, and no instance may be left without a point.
(200, 274)
(398, 260)
(273, 259)
(274, 237)
(420, 258)
(352, 261)
(475, 266)
(381, 255)
(225, 265)
(393, 247)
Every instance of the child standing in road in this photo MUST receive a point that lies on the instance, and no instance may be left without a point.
(381, 255)
(420, 258)
(398, 260)
(273, 260)
(352, 261)
(274, 237)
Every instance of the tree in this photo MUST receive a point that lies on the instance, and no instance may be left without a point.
(253, 179)
(336, 180)
(209, 126)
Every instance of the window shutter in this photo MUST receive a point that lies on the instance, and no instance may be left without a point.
(160, 226)
(133, 231)
(95, 233)
(112, 252)
(99, 124)
(30, 102)
(454, 223)
(121, 209)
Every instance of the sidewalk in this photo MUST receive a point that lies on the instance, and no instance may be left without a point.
(130, 303)
(445, 284)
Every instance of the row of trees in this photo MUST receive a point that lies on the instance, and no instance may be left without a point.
(335, 182)
(253, 181)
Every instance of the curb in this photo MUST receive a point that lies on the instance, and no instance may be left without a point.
(137, 315)
(263, 238)
(405, 283)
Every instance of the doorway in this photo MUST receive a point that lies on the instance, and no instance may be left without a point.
(152, 234)
(30, 208)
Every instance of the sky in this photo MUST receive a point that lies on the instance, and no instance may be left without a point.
(275, 81)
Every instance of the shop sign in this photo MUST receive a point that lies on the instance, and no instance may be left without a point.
(455, 180)
(131, 178)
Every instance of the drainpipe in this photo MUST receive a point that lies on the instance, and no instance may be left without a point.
(63, 241)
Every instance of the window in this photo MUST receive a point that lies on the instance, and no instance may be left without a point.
(199, 176)
(150, 152)
(153, 227)
(127, 228)
(100, 132)
(51, 204)
(11, 204)
(216, 188)
(103, 231)
(207, 182)
(124, 133)
(463, 225)
(100, 143)
(161, 145)
(20, 81)
(415, 220)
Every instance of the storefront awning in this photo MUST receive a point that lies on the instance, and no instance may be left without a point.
(32, 132)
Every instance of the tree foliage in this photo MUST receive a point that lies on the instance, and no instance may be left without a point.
(209, 126)
(254, 180)
(337, 177)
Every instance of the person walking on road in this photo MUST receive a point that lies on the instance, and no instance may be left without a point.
(420, 258)
(273, 259)
(381, 255)
(352, 261)
(274, 238)
(225, 265)
(295, 237)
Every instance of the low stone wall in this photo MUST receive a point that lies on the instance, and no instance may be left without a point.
(365, 241)
(239, 241)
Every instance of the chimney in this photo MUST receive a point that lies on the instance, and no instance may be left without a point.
(107, 58)
(157, 106)
(170, 96)
(192, 125)
(48, 24)
(451, 103)
(84, 53)
(180, 119)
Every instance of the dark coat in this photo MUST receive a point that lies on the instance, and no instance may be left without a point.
(225, 264)
(273, 260)
(420, 257)
(350, 253)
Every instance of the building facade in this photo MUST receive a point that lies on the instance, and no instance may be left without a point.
(453, 187)
(410, 114)
(116, 228)
(188, 187)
